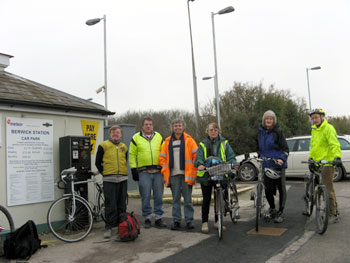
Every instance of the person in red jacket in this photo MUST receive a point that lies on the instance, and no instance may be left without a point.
(177, 161)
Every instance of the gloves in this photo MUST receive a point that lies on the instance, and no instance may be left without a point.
(337, 162)
(135, 174)
(312, 166)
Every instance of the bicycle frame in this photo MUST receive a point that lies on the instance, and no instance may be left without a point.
(316, 194)
(94, 205)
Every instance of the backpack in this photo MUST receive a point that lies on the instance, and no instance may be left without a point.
(23, 242)
(129, 227)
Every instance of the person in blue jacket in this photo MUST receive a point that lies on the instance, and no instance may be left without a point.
(271, 143)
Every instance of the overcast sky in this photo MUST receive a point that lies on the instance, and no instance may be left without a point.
(149, 55)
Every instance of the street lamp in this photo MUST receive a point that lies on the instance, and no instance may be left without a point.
(226, 10)
(308, 84)
(193, 73)
(92, 22)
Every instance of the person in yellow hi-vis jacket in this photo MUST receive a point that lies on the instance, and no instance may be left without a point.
(144, 153)
(217, 146)
(324, 145)
(111, 162)
(177, 160)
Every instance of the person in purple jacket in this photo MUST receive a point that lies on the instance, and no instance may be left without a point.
(271, 143)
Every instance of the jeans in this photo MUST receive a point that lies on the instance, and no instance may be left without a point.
(148, 182)
(115, 202)
(179, 186)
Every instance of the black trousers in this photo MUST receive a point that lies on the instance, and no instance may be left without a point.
(115, 202)
(206, 193)
(271, 186)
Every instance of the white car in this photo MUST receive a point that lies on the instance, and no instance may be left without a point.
(298, 151)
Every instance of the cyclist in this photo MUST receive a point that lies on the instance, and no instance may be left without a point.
(324, 145)
(217, 146)
(271, 143)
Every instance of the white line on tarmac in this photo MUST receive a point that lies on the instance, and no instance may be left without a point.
(291, 249)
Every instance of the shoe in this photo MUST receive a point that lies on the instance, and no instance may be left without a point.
(272, 212)
(148, 223)
(333, 219)
(305, 213)
(159, 223)
(279, 218)
(189, 226)
(107, 234)
(176, 226)
(216, 226)
(205, 228)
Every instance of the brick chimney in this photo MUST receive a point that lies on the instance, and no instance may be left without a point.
(4, 61)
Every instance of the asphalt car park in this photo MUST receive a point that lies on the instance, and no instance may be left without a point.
(298, 152)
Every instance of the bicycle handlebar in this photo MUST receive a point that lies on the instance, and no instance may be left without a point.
(262, 159)
(321, 162)
(70, 172)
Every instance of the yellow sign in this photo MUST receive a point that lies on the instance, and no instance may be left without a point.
(90, 128)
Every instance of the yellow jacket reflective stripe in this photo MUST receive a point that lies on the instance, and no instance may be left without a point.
(222, 152)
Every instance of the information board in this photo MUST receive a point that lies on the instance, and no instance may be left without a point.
(29, 150)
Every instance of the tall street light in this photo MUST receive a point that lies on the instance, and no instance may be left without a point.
(308, 84)
(194, 77)
(226, 10)
(92, 22)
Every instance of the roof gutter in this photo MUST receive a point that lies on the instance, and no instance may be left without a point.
(12, 104)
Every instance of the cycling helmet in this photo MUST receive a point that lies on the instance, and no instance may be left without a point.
(212, 161)
(272, 174)
(317, 111)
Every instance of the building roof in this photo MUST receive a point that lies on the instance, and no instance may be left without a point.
(15, 90)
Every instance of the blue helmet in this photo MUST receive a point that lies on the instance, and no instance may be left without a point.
(212, 161)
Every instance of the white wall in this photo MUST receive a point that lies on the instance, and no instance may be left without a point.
(62, 126)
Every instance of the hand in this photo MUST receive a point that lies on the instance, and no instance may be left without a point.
(312, 166)
(337, 162)
(135, 174)
(280, 162)
(201, 167)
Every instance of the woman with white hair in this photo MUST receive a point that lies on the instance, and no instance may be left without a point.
(271, 143)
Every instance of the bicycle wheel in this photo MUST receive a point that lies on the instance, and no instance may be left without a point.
(322, 209)
(309, 197)
(6, 226)
(234, 207)
(69, 220)
(220, 214)
(258, 205)
(101, 202)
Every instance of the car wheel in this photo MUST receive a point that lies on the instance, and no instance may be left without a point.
(338, 174)
(247, 172)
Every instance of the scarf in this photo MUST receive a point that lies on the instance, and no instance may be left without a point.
(182, 152)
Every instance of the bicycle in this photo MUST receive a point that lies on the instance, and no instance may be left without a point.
(259, 196)
(70, 218)
(225, 195)
(316, 193)
(6, 226)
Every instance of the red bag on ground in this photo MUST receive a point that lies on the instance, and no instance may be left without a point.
(129, 227)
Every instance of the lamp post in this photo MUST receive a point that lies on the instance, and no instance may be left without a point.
(226, 10)
(92, 22)
(308, 84)
(194, 77)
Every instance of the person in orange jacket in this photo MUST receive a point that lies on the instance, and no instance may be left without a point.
(177, 161)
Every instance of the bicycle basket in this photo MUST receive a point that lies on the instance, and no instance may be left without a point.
(220, 169)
